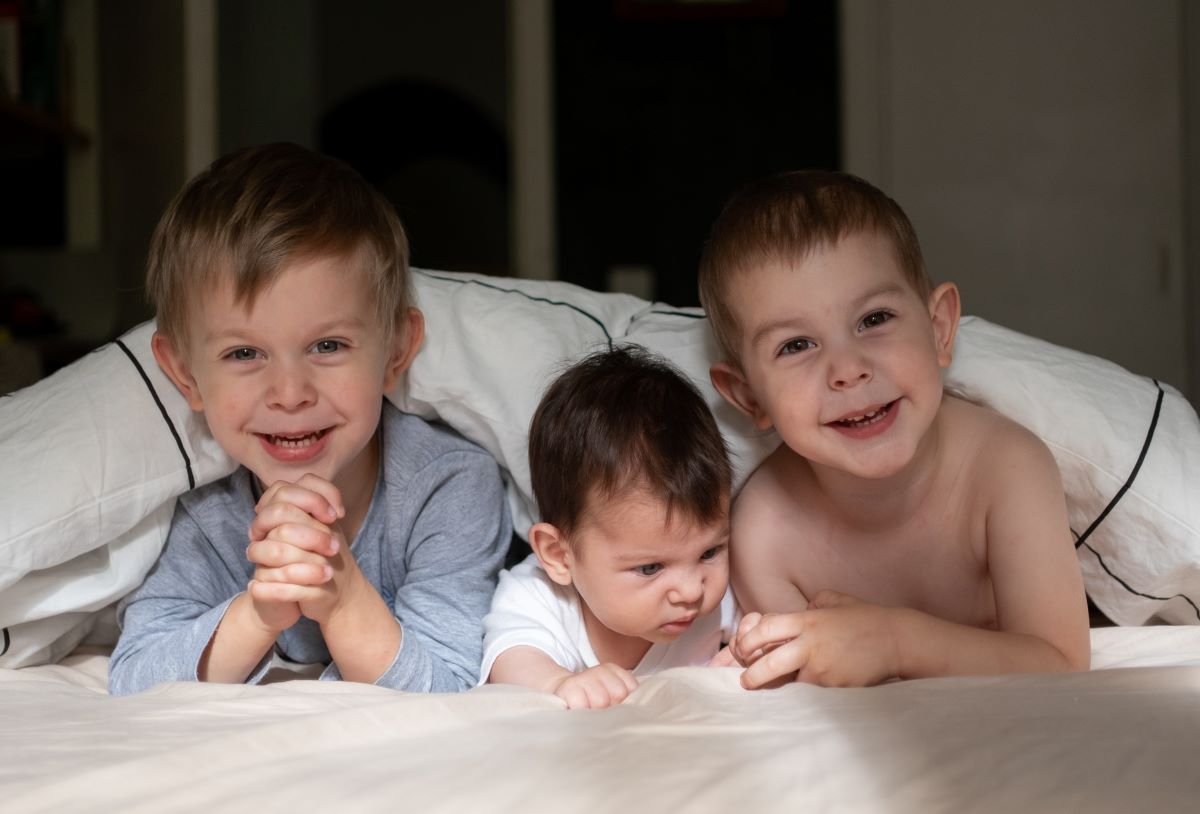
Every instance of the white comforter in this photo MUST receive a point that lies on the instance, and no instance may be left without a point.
(1124, 737)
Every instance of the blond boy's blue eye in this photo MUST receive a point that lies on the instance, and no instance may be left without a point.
(327, 346)
(243, 354)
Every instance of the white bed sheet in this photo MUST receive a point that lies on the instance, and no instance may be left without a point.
(1121, 738)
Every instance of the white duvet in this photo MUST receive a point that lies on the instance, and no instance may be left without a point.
(1121, 738)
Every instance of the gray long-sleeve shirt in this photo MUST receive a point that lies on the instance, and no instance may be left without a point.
(432, 543)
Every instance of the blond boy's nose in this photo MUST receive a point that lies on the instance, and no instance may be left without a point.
(291, 390)
(848, 370)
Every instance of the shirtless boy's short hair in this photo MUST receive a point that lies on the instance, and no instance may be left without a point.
(783, 218)
(255, 211)
(625, 419)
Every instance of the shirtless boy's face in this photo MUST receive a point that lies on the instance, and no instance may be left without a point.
(841, 355)
(294, 383)
(641, 577)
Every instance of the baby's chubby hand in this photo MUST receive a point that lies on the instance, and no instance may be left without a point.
(596, 687)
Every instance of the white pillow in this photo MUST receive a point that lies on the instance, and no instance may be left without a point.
(93, 457)
(1136, 519)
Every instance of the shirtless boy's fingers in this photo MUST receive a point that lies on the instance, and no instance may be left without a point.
(777, 667)
(771, 631)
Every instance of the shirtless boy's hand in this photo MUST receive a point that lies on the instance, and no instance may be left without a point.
(596, 687)
(839, 641)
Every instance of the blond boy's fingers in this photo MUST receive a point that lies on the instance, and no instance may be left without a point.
(316, 496)
(276, 515)
(296, 574)
(281, 591)
(289, 545)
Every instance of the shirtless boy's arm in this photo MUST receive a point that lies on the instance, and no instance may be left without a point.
(1041, 611)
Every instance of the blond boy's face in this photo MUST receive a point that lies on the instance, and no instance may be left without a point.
(294, 384)
(842, 355)
(640, 577)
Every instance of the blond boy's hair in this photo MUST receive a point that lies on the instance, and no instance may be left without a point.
(785, 217)
(254, 211)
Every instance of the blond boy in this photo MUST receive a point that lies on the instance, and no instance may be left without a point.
(897, 531)
(351, 535)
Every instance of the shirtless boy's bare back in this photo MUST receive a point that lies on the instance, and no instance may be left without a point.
(896, 532)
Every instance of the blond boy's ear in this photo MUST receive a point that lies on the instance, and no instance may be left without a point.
(175, 365)
(406, 341)
(732, 385)
(550, 546)
(945, 309)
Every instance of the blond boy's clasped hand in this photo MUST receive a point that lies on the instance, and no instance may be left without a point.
(302, 559)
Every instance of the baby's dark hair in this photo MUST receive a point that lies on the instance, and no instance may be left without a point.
(625, 419)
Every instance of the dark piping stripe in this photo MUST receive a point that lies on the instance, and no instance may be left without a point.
(576, 308)
(163, 410)
(4, 649)
(1127, 587)
(1132, 475)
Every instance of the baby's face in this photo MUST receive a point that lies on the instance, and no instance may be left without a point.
(294, 383)
(841, 355)
(642, 577)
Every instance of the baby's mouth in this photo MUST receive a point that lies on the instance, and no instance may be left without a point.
(298, 441)
(866, 419)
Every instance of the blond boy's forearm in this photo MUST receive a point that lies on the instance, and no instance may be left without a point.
(237, 645)
(927, 646)
(363, 637)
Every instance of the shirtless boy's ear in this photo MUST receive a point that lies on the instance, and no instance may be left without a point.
(174, 364)
(731, 383)
(406, 341)
(552, 551)
(945, 308)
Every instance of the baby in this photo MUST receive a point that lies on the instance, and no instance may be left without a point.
(630, 568)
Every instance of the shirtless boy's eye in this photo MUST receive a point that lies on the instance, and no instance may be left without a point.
(797, 345)
(649, 570)
(875, 319)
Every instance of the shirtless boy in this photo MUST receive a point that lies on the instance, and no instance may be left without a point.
(897, 532)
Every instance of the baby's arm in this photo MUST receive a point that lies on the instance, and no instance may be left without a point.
(594, 688)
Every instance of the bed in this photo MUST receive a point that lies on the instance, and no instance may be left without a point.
(93, 458)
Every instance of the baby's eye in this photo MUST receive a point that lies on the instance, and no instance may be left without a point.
(327, 346)
(243, 354)
(797, 345)
(649, 570)
(711, 553)
(875, 319)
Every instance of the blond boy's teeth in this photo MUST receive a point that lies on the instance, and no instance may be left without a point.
(294, 441)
